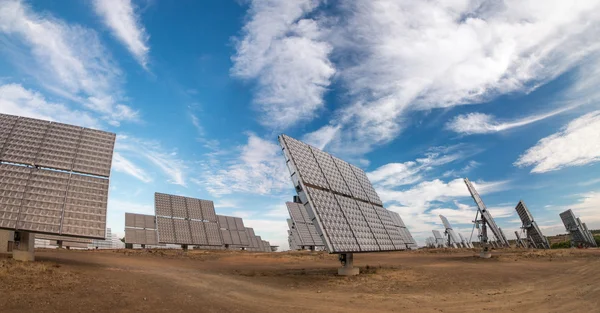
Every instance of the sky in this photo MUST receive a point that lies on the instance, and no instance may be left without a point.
(419, 94)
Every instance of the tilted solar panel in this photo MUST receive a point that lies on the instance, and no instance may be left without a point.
(340, 200)
(485, 213)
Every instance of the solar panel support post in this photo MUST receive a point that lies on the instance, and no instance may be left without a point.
(24, 246)
(60, 244)
(184, 247)
(485, 248)
(347, 269)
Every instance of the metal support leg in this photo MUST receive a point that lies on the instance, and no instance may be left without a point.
(485, 248)
(347, 269)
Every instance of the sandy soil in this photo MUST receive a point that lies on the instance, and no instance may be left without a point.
(218, 281)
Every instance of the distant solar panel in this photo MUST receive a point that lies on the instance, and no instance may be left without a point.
(453, 239)
(233, 231)
(35, 196)
(186, 221)
(439, 239)
(534, 233)
(340, 201)
(140, 229)
(486, 216)
(303, 226)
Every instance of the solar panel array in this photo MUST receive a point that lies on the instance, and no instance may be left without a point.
(45, 182)
(486, 214)
(576, 229)
(186, 221)
(340, 201)
(454, 239)
(534, 234)
(140, 229)
(233, 231)
(302, 227)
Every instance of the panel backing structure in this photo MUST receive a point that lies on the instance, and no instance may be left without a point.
(574, 226)
(302, 227)
(233, 231)
(486, 216)
(340, 201)
(54, 177)
(464, 242)
(63, 238)
(534, 234)
(453, 239)
(186, 221)
(140, 229)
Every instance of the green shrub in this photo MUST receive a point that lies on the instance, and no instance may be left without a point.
(561, 245)
(597, 240)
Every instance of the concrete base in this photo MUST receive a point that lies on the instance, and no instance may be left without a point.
(24, 250)
(24, 256)
(344, 271)
(485, 255)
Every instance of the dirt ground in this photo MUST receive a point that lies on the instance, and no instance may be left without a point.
(219, 281)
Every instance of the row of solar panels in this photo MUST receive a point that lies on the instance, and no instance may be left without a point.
(189, 221)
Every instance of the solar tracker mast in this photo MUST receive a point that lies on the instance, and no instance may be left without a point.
(485, 221)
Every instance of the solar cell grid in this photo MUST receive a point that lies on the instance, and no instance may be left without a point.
(178, 206)
(231, 223)
(208, 210)
(366, 185)
(333, 220)
(194, 208)
(332, 174)
(182, 231)
(198, 233)
(359, 225)
(212, 233)
(295, 211)
(306, 165)
(349, 177)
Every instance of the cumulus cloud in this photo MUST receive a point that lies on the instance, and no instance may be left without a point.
(68, 60)
(16, 100)
(479, 123)
(577, 144)
(284, 51)
(395, 57)
(120, 17)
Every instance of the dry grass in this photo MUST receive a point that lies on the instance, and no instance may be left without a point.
(34, 275)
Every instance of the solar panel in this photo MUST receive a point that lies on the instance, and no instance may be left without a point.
(573, 227)
(340, 201)
(454, 239)
(302, 225)
(35, 196)
(186, 221)
(405, 234)
(233, 231)
(140, 229)
(489, 220)
(533, 231)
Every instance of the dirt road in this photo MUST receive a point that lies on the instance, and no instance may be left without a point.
(218, 281)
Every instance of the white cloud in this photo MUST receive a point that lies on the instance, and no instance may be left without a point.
(258, 169)
(576, 144)
(410, 172)
(118, 205)
(479, 123)
(123, 165)
(68, 60)
(394, 57)
(153, 152)
(120, 17)
(284, 51)
(16, 100)
(321, 137)
(463, 171)
(587, 209)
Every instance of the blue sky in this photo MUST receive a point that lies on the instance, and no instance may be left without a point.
(418, 94)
